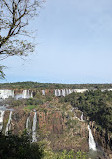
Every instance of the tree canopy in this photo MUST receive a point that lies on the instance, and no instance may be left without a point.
(15, 17)
(95, 104)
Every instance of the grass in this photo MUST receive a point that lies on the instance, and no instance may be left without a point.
(30, 107)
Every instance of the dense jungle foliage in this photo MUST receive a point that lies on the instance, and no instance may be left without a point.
(95, 104)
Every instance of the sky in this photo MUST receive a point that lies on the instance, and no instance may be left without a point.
(73, 44)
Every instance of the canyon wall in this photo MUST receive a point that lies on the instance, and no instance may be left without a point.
(50, 125)
(102, 138)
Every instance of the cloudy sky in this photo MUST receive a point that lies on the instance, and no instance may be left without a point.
(73, 44)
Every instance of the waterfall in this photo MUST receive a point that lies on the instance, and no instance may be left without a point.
(1, 119)
(82, 116)
(8, 126)
(25, 94)
(55, 92)
(69, 91)
(59, 92)
(32, 94)
(92, 144)
(63, 92)
(27, 123)
(34, 128)
(43, 92)
(5, 93)
(66, 91)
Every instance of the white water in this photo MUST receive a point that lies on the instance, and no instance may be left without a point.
(1, 119)
(8, 126)
(26, 94)
(34, 128)
(5, 93)
(59, 92)
(56, 92)
(32, 94)
(64, 92)
(82, 116)
(27, 123)
(43, 92)
(92, 144)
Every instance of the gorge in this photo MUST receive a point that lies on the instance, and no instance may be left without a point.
(54, 121)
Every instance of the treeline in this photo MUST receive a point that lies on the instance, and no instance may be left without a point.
(36, 85)
(95, 104)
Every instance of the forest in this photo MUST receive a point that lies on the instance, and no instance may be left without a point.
(95, 104)
(37, 85)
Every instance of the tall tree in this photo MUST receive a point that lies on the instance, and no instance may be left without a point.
(15, 17)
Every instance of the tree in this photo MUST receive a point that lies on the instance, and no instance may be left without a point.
(19, 147)
(15, 17)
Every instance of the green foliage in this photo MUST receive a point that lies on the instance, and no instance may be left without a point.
(37, 85)
(15, 147)
(65, 155)
(30, 107)
(71, 123)
(81, 155)
(33, 102)
(95, 104)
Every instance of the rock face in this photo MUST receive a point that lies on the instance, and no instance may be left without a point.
(51, 121)
(103, 138)
(50, 125)
(60, 134)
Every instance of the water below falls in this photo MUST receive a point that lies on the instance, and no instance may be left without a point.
(92, 144)
(34, 139)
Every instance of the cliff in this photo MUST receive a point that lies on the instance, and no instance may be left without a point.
(55, 124)
(102, 138)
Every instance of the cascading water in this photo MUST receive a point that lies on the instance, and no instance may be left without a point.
(5, 93)
(69, 91)
(1, 119)
(55, 92)
(32, 94)
(63, 92)
(8, 126)
(82, 116)
(59, 92)
(27, 123)
(34, 139)
(43, 92)
(25, 94)
(92, 144)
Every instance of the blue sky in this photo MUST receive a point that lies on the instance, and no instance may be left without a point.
(73, 44)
